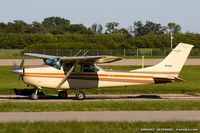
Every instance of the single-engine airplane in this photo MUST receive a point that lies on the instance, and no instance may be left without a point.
(82, 72)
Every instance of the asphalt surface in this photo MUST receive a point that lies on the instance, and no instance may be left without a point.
(100, 116)
(107, 98)
(9, 62)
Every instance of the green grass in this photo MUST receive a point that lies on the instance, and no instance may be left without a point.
(13, 54)
(190, 74)
(100, 106)
(10, 53)
(92, 127)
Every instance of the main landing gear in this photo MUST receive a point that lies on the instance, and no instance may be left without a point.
(79, 95)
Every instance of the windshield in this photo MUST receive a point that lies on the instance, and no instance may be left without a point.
(54, 62)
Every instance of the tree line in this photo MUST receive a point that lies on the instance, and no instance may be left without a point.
(58, 25)
(57, 32)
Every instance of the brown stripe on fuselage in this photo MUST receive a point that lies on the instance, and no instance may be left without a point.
(127, 80)
(100, 79)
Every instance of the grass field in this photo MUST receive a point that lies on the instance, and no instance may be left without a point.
(94, 127)
(190, 74)
(100, 106)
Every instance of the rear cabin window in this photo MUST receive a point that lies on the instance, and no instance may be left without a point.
(89, 68)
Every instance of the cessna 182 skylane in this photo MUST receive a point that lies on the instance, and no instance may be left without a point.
(63, 73)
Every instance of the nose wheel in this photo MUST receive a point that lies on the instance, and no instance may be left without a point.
(80, 95)
(35, 96)
(62, 94)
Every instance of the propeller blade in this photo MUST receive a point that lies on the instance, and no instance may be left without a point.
(67, 75)
(15, 66)
(19, 70)
(22, 64)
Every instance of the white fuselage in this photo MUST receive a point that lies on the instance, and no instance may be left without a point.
(45, 76)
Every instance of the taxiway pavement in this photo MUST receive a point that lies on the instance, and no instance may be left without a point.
(100, 116)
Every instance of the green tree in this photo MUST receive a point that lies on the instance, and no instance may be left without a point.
(111, 27)
(99, 29)
(149, 27)
(55, 21)
(3, 27)
(123, 32)
(79, 28)
(174, 28)
(96, 28)
(20, 26)
(138, 28)
(37, 27)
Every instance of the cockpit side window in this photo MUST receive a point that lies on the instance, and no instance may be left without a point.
(68, 66)
(54, 62)
(78, 68)
(89, 68)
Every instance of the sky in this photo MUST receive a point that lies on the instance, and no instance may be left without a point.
(125, 12)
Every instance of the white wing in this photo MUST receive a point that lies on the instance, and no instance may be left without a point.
(81, 59)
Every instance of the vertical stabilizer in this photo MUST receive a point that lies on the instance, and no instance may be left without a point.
(173, 63)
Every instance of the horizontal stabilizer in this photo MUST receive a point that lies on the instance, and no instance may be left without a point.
(160, 80)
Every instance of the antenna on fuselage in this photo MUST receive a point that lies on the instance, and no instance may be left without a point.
(85, 52)
(77, 53)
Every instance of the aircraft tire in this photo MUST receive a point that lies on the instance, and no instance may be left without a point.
(80, 95)
(62, 94)
(34, 96)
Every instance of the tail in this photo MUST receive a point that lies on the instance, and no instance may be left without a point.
(172, 64)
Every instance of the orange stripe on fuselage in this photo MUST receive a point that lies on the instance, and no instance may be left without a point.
(132, 76)
(26, 73)
(99, 75)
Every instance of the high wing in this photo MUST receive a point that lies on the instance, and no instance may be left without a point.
(75, 61)
(81, 59)
(90, 59)
(43, 56)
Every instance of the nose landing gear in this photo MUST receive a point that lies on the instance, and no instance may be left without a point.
(62, 94)
(38, 93)
(35, 96)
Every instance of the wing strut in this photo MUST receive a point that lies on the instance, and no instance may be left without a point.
(67, 75)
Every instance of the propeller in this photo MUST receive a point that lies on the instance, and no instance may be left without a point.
(19, 70)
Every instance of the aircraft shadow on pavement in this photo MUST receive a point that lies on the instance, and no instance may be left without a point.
(126, 97)
(25, 94)
(50, 97)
